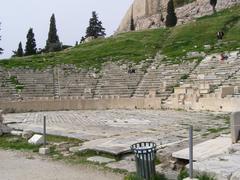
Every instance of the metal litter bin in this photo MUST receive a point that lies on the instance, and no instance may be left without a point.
(145, 154)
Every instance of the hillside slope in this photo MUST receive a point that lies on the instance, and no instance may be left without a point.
(138, 46)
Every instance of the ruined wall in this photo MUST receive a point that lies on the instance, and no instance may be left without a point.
(228, 104)
(81, 104)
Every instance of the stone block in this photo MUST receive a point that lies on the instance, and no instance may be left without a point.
(44, 151)
(36, 139)
(100, 159)
(235, 126)
(16, 133)
(236, 175)
(130, 166)
(5, 129)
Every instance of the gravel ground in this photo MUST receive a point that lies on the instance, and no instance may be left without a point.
(24, 166)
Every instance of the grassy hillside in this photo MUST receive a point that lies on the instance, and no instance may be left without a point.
(193, 36)
(137, 46)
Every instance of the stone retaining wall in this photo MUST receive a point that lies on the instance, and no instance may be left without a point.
(81, 104)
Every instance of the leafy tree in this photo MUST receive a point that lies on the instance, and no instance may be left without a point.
(53, 44)
(171, 19)
(19, 52)
(1, 50)
(213, 4)
(30, 48)
(95, 28)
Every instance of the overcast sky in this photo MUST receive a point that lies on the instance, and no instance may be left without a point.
(72, 17)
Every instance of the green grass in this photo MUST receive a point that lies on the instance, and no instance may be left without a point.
(217, 130)
(9, 142)
(133, 46)
(16, 143)
(193, 36)
(138, 46)
(58, 139)
(203, 176)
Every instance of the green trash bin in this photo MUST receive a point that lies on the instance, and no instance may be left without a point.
(145, 155)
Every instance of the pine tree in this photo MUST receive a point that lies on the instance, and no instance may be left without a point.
(30, 48)
(95, 28)
(1, 50)
(171, 19)
(53, 44)
(213, 4)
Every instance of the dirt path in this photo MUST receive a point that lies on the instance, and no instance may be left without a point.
(22, 166)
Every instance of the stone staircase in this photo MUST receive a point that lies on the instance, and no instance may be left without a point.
(117, 81)
(161, 77)
(56, 83)
(216, 72)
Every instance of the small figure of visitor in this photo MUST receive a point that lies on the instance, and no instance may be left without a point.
(223, 57)
(220, 35)
(130, 71)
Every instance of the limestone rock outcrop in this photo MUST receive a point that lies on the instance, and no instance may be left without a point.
(147, 14)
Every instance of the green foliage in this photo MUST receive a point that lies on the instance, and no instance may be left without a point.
(193, 36)
(217, 130)
(183, 174)
(30, 48)
(140, 45)
(95, 28)
(205, 176)
(15, 82)
(133, 46)
(53, 44)
(53, 138)
(171, 19)
(133, 176)
(16, 143)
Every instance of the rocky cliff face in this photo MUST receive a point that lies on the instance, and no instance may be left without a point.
(147, 14)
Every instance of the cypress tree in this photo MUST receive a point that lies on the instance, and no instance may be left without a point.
(19, 52)
(213, 4)
(1, 50)
(53, 43)
(171, 19)
(30, 48)
(95, 28)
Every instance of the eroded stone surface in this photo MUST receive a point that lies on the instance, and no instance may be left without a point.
(115, 130)
(222, 167)
(100, 159)
(206, 149)
(130, 166)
